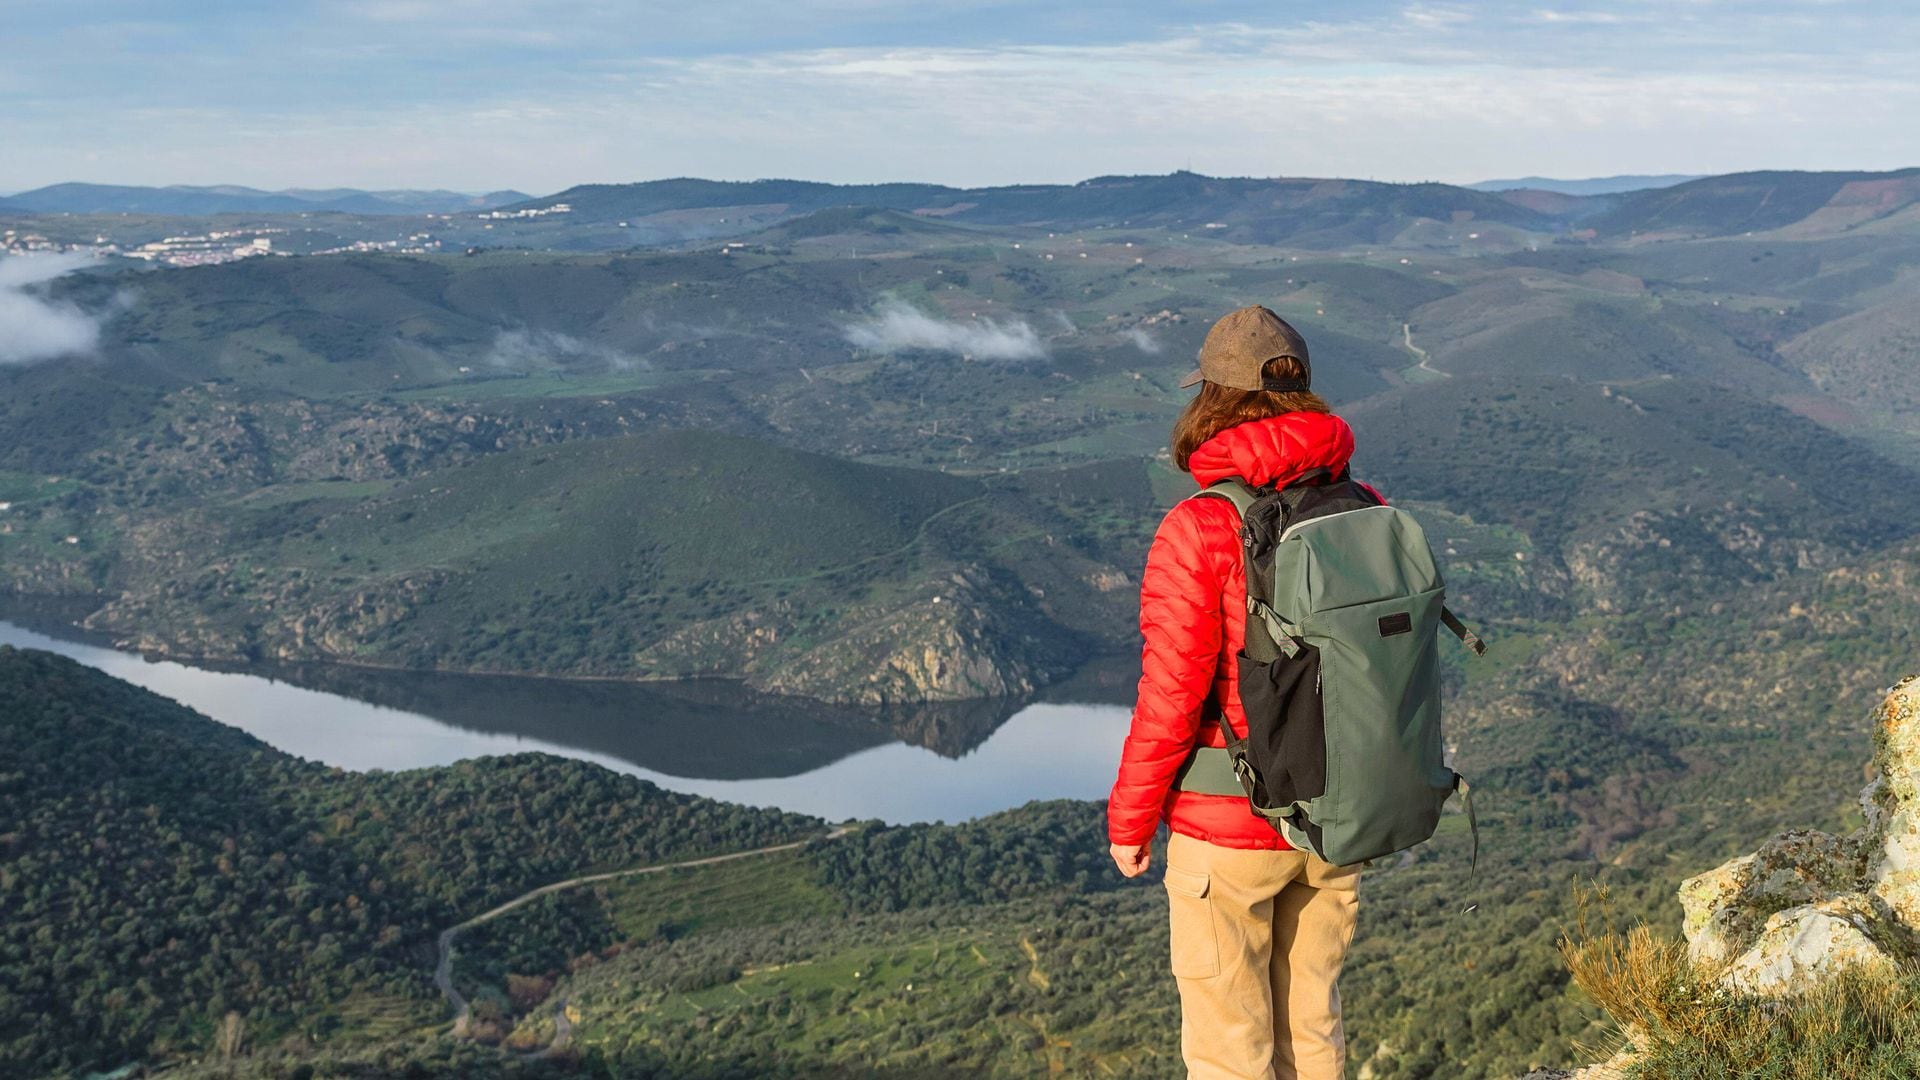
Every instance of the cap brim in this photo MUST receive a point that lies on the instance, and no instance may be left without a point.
(1195, 377)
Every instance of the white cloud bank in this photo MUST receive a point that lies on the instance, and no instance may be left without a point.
(969, 92)
(898, 325)
(523, 349)
(1142, 340)
(33, 326)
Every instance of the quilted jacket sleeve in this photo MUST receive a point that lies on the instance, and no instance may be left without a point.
(1180, 622)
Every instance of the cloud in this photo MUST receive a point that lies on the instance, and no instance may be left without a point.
(34, 326)
(1432, 17)
(969, 92)
(1142, 340)
(524, 349)
(898, 325)
(1597, 18)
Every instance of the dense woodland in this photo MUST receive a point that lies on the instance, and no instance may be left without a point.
(302, 900)
(160, 871)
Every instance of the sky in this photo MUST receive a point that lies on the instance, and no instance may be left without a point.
(540, 95)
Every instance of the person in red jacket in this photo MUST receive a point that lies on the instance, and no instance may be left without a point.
(1259, 930)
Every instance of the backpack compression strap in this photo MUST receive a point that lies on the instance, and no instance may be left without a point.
(1467, 637)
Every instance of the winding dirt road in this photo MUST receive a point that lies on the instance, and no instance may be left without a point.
(1406, 329)
(563, 1027)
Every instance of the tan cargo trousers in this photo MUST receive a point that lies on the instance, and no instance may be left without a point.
(1258, 941)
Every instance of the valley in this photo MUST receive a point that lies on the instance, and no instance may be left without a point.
(422, 462)
(1625, 749)
(736, 523)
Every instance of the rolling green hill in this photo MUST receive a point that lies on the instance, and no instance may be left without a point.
(161, 871)
(1640, 490)
(1306, 212)
(218, 877)
(1624, 749)
(1643, 416)
(1759, 201)
(677, 554)
(287, 413)
(1670, 468)
(1645, 745)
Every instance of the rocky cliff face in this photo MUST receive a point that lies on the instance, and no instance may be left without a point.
(1808, 903)
(1769, 927)
(954, 638)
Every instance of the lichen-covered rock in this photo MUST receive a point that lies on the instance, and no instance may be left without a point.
(1894, 805)
(1726, 907)
(1710, 919)
(1808, 903)
(1799, 946)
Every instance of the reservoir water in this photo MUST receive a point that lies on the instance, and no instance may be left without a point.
(944, 762)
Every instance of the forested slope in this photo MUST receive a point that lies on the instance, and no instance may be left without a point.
(1627, 750)
(159, 870)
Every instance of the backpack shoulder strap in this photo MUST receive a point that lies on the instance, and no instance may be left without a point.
(1233, 489)
(1265, 640)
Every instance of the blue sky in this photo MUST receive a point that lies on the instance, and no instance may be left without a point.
(542, 94)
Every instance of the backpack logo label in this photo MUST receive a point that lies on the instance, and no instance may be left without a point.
(1396, 624)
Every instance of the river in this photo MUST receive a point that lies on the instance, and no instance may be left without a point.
(946, 762)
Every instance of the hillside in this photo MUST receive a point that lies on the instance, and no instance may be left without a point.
(1621, 747)
(1759, 201)
(647, 557)
(1319, 214)
(1305, 212)
(1642, 491)
(1641, 419)
(1622, 750)
(161, 871)
(1308, 212)
(1609, 772)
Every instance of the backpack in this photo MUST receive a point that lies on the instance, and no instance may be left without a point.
(1340, 673)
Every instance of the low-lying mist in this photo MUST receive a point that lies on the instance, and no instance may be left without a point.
(897, 325)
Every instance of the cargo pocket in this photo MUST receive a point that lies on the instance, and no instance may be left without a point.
(1195, 948)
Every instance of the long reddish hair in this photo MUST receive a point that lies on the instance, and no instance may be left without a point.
(1216, 408)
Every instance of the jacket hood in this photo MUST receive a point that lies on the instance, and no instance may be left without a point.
(1275, 451)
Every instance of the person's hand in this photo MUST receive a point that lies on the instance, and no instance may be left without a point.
(1132, 859)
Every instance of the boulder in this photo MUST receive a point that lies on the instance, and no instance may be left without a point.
(1800, 946)
(1709, 904)
(1892, 803)
(1808, 904)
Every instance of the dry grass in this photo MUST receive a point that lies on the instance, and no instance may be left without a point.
(1860, 1026)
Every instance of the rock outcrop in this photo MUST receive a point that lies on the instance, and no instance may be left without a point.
(1808, 904)
(957, 637)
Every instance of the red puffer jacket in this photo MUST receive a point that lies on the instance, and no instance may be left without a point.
(1192, 612)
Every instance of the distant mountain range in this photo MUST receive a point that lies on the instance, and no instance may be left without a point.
(1306, 211)
(1596, 185)
(188, 201)
(1297, 211)
(1302, 212)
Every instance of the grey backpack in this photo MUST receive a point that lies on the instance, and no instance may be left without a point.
(1340, 674)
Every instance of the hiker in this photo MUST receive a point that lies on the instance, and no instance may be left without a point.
(1259, 929)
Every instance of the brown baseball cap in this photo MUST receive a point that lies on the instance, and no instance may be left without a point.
(1241, 343)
